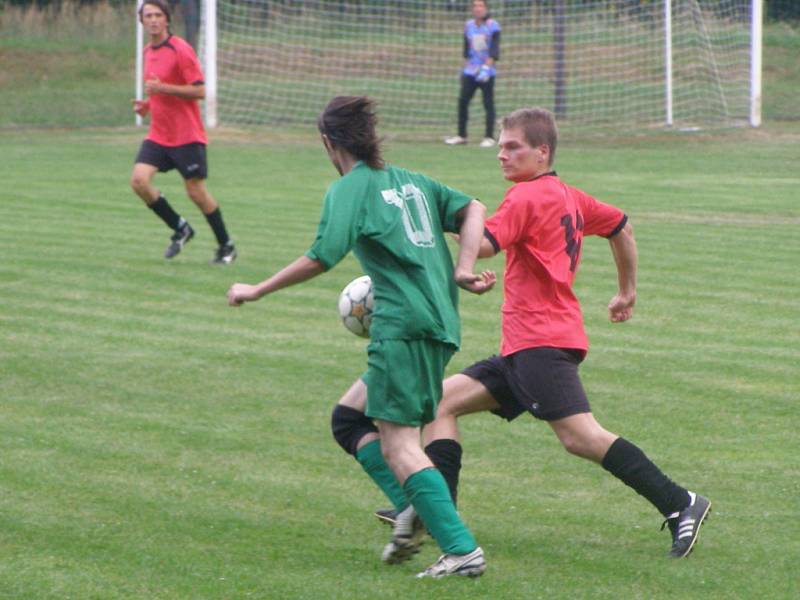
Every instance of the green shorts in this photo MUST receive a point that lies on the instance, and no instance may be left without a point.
(404, 379)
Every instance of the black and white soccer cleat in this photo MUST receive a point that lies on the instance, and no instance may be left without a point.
(179, 239)
(685, 525)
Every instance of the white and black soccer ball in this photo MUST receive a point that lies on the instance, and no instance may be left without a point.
(356, 304)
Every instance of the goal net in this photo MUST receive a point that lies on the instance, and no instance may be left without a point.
(599, 64)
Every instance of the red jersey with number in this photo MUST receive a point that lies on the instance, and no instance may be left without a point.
(540, 225)
(174, 121)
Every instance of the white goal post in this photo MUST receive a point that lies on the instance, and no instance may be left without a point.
(599, 64)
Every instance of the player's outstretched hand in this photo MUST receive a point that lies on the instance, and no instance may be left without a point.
(477, 284)
(239, 293)
(621, 308)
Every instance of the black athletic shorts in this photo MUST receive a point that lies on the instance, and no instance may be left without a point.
(542, 381)
(189, 159)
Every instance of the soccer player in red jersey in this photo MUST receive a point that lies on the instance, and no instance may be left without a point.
(176, 140)
(540, 225)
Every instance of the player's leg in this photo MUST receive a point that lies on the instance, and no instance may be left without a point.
(430, 499)
(487, 93)
(151, 159)
(684, 511)
(357, 435)
(198, 192)
(191, 161)
(461, 395)
(562, 403)
(191, 19)
(467, 91)
(142, 184)
(404, 387)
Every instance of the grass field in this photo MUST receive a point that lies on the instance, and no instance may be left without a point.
(155, 443)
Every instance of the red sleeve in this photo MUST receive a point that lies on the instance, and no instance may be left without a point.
(189, 65)
(601, 219)
(510, 223)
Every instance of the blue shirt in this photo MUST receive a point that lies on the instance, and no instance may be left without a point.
(480, 43)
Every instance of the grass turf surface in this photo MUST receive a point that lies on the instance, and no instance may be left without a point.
(155, 443)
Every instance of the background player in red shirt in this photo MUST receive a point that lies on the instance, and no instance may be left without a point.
(540, 225)
(176, 140)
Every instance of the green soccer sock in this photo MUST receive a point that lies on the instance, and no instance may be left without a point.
(371, 459)
(428, 493)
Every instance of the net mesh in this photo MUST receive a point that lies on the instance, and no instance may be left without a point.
(597, 63)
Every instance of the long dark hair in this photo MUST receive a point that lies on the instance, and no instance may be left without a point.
(161, 4)
(349, 123)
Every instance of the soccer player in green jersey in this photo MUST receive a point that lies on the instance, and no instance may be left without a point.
(395, 221)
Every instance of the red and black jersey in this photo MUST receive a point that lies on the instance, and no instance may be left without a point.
(174, 121)
(540, 225)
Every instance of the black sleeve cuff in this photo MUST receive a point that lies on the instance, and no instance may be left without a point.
(487, 234)
(619, 227)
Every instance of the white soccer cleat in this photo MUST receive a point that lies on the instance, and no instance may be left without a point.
(487, 142)
(456, 140)
(468, 565)
(407, 537)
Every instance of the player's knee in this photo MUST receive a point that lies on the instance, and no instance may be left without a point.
(575, 444)
(584, 446)
(572, 445)
(138, 183)
(349, 426)
(195, 190)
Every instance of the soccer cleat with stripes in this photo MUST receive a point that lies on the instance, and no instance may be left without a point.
(468, 565)
(386, 515)
(179, 239)
(407, 536)
(685, 525)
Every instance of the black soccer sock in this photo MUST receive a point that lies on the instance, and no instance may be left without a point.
(218, 226)
(162, 208)
(445, 454)
(629, 464)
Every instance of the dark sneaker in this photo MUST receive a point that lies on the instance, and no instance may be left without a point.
(224, 255)
(685, 525)
(386, 515)
(469, 565)
(407, 537)
(179, 239)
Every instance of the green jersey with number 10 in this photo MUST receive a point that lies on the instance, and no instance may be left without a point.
(394, 221)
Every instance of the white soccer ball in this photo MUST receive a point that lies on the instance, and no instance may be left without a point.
(356, 304)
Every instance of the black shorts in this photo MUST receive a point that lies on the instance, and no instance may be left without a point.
(189, 159)
(542, 381)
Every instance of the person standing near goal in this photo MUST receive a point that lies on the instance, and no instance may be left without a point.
(481, 52)
(394, 221)
(540, 225)
(176, 140)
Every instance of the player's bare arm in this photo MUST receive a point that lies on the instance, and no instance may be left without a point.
(470, 235)
(299, 271)
(187, 92)
(623, 247)
(487, 250)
